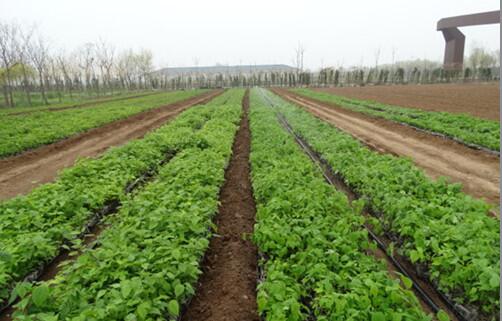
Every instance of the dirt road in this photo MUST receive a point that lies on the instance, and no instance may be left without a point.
(478, 99)
(21, 173)
(476, 170)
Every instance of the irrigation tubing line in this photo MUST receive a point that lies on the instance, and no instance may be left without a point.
(421, 292)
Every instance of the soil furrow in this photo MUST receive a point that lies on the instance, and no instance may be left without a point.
(227, 287)
(476, 170)
(21, 173)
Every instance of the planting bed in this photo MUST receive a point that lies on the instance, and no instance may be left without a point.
(467, 130)
(146, 263)
(20, 174)
(476, 170)
(34, 227)
(22, 132)
(433, 224)
(480, 100)
(250, 207)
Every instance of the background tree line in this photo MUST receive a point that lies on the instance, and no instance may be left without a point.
(32, 72)
(30, 68)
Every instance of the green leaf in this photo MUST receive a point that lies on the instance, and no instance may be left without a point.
(442, 316)
(47, 317)
(173, 308)
(495, 280)
(178, 290)
(407, 282)
(377, 316)
(143, 309)
(40, 295)
(125, 289)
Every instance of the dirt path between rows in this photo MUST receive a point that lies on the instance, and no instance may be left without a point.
(476, 170)
(21, 173)
(227, 288)
(81, 105)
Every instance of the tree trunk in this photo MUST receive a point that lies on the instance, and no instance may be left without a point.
(6, 96)
(42, 88)
(26, 86)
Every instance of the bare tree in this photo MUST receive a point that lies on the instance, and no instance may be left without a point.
(8, 58)
(105, 54)
(38, 51)
(65, 67)
(86, 60)
(298, 60)
(24, 61)
(377, 57)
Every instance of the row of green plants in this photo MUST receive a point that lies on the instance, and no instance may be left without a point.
(34, 227)
(462, 127)
(76, 100)
(146, 263)
(317, 262)
(22, 132)
(435, 224)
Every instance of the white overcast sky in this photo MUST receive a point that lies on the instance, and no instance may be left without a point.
(257, 31)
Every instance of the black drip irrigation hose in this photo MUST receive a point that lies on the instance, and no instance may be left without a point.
(110, 207)
(459, 311)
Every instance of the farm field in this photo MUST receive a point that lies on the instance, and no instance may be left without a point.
(76, 103)
(26, 131)
(477, 170)
(479, 100)
(21, 173)
(249, 204)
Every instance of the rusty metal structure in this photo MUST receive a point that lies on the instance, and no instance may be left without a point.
(455, 39)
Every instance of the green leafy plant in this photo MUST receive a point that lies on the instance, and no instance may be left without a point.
(147, 262)
(316, 263)
(438, 226)
(463, 127)
(34, 227)
(22, 132)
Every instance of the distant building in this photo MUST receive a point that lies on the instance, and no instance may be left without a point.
(210, 71)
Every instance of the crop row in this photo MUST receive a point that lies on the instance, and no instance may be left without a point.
(27, 131)
(434, 223)
(33, 227)
(316, 252)
(147, 262)
(465, 128)
(76, 101)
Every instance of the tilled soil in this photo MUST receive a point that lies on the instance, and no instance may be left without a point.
(478, 99)
(21, 173)
(227, 288)
(478, 171)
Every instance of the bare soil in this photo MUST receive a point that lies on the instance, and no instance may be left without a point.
(21, 173)
(478, 171)
(227, 288)
(478, 99)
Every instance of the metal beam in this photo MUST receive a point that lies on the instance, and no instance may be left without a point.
(455, 39)
(476, 19)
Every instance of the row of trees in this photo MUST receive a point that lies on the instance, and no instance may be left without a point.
(28, 63)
